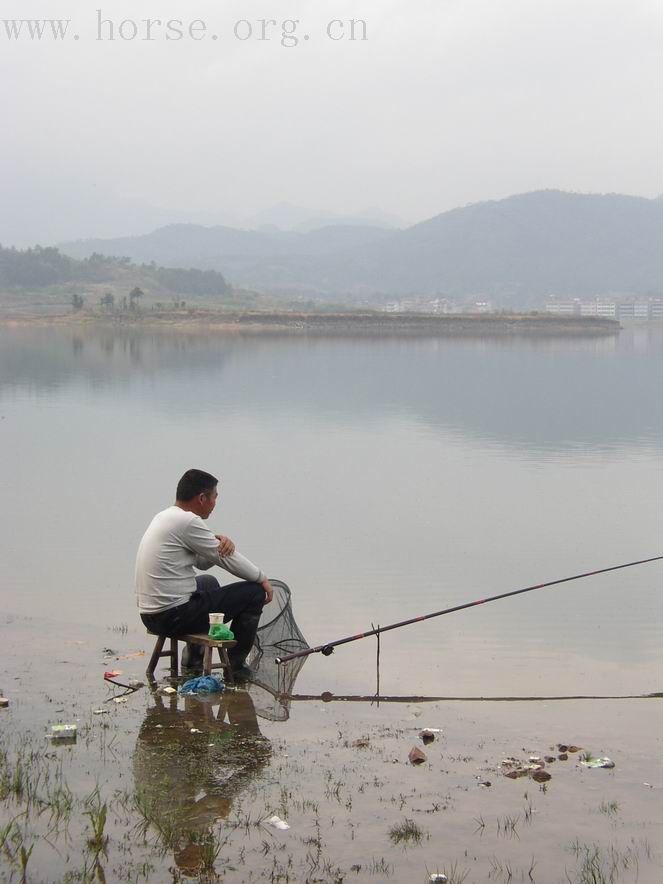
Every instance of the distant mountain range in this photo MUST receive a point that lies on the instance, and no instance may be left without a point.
(514, 251)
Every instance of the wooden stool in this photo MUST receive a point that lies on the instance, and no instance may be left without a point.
(207, 643)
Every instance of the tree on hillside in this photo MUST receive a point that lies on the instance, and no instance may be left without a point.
(77, 302)
(107, 300)
(34, 267)
(134, 296)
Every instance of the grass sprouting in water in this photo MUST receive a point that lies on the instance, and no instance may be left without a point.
(456, 875)
(609, 808)
(407, 832)
(599, 865)
(507, 826)
(98, 814)
(14, 848)
(381, 867)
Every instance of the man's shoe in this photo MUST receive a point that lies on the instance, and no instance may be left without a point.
(242, 672)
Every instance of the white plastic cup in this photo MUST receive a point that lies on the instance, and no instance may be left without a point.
(215, 619)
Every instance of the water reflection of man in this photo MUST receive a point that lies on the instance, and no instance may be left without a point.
(172, 599)
(186, 782)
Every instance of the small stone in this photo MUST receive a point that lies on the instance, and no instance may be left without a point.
(416, 756)
(563, 756)
(575, 748)
(427, 736)
(361, 743)
(541, 776)
(562, 747)
(4, 702)
(549, 759)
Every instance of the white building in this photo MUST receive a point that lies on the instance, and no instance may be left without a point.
(563, 308)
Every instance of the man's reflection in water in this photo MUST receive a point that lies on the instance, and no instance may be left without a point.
(187, 781)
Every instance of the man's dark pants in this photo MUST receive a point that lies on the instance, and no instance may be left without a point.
(241, 603)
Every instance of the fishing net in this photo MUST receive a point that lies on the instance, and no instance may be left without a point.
(277, 636)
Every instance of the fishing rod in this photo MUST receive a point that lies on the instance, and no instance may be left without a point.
(328, 648)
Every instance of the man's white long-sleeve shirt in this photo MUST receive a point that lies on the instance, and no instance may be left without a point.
(176, 542)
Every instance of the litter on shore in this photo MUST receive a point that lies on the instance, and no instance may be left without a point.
(63, 732)
(276, 823)
(204, 684)
(598, 762)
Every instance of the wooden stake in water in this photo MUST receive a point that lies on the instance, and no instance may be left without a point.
(377, 662)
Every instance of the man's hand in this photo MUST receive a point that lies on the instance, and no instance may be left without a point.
(269, 592)
(226, 546)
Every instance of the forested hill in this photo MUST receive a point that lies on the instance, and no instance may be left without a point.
(520, 249)
(39, 268)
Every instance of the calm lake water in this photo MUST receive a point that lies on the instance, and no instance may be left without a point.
(380, 479)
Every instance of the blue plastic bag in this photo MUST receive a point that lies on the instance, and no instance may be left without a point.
(204, 684)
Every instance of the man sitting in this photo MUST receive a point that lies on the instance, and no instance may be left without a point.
(172, 599)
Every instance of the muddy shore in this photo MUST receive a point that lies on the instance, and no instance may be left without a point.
(161, 788)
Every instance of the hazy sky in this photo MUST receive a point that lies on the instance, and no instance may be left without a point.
(447, 102)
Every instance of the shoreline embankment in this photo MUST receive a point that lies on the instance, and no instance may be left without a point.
(332, 323)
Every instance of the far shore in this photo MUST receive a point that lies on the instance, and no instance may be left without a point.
(326, 323)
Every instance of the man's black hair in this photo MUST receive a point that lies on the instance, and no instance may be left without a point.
(193, 483)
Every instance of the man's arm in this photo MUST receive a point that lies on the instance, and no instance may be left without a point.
(225, 548)
(206, 545)
(205, 564)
